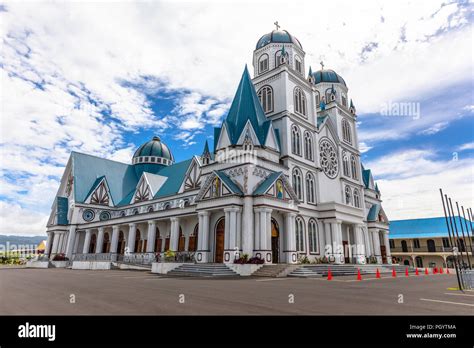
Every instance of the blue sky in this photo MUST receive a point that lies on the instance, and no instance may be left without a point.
(102, 79)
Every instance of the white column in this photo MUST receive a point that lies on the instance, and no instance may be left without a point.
(60, 243)
(368, 249)
(87, 242)
(100, 241)
(76, 243)
(48, 244)
(54, 248)
(174, 233)
(387, 246)
(230, 240)
(203, 251)
(70, 241)
(328, 240)
(227, 230)
(247, 226)
(239, 229)
(376, 243)
(132, 231)
(266, 235)
(257, 227)
(290, 239)
(360, 249)
(115, 236)
(337, 241)
(151, 238)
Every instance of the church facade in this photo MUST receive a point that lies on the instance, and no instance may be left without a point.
(282, 183)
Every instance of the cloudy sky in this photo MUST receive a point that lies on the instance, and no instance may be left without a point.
(103, 77)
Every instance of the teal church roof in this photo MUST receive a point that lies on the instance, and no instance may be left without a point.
(327, 76)
(424, 228)
(154, 147)
(246, 107)
(373, 212)
(265, 185)
(277, 36)
(89, 170)
(229, 183)
(175, 174)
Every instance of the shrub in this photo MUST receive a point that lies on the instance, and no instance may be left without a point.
(60, 257)
(303, 259)
(256, 261)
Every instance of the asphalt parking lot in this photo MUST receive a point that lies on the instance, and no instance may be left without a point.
(68, 292)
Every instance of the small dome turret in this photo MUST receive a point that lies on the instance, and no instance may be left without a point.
(151, 156)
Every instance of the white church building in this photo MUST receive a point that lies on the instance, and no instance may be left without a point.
(282, 182)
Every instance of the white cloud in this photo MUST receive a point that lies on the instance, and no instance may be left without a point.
(70, 70)
(438, 127)
(409, 182)
(363, 147)
(467, 146)
(16, 220)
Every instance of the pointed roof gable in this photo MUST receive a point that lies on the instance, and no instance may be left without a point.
(206, 149)
(88, 172)
(229, 183)
(246, 107)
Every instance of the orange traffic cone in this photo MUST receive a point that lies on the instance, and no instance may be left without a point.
(394, 274)
(426, 271)
(416, 271)
(435, 270)
(406, 272)
(329, 274)
(441, 270)
(359, 277)
(377, 274)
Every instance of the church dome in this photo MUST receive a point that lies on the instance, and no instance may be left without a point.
(153, 152)
(327, 76)
(278, 36)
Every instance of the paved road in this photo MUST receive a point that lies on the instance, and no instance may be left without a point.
(48, 291)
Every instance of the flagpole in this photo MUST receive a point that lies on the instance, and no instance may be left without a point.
(467, 230)
(457, 232)
(452, 245)
(463, 237)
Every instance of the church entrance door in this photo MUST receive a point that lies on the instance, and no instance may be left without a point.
(275, 242)
(219, 249)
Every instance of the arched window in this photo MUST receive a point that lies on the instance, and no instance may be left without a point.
(300, 101)
(181, 240)
(295, 140)
(317, 99)
(308, 146)
(313, 236)
(348, 195)
(299, 234)
(404, 246)
(265, 94)
(297, 183)
(345, 163)
(310, 189)
(356, 198)
(346, 131)
(298, 65)
(263, 63)
(354, 167)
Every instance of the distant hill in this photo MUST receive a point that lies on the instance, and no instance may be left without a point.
(21, 240)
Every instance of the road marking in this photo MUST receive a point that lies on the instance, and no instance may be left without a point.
(271, 280)
(449, 302)
(156, 278)
(450, 293)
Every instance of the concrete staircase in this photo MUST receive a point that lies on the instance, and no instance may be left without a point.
(275, 271)
(202, 270)
(321, 270)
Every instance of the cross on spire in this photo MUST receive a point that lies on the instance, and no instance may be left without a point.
(322, 65)
(277, 25)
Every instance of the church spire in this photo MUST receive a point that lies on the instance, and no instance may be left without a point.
(246, 108)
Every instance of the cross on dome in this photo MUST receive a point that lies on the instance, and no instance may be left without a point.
(277, 25)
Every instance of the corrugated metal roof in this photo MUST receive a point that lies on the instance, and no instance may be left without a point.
(423, 228)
